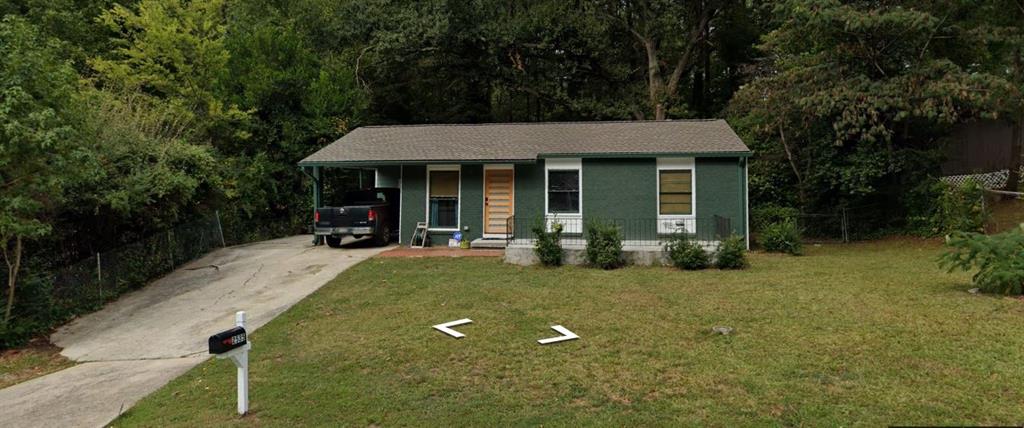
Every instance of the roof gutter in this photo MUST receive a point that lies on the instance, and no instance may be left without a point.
(370, 163)
(353, 164)
(649, 155)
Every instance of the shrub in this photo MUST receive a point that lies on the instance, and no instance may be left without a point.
(604, 245)
(732, 253)
(782, 237)
(936, 208)
(686, 254)
(766, 215)
(999, 259)
(549, 244)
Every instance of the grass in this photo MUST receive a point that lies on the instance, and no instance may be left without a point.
(35, 360)
(863, 334)
(1005, 215)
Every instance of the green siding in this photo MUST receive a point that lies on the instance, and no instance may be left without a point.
(471, 204)
(621, 190)
(721, 191)
(389, 176)
(613, 189)
(414, 197)
(414, 202)
(529, 193)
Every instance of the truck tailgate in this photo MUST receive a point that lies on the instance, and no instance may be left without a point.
(343, 216)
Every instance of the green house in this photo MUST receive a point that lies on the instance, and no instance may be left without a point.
(495, 183)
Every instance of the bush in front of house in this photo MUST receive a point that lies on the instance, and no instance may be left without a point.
(732, 253)
(999, 259)
(781, 237)
(549, 243)
(604, 245)
(686, 254)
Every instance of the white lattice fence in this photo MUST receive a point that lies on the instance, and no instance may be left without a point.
(988, 180)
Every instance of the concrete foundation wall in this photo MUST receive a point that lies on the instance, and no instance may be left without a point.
(523, 255)
(633, 253)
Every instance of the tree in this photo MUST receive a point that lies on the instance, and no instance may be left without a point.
(36, 141)
(175, 50)
(143, 172)
(70, 22)
(997, 29)
(671, 34)
(854, 96)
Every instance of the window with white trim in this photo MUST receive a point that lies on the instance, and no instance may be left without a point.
(443, 199)
(564, 191)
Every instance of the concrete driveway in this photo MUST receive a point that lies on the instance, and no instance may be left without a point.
(137, 344)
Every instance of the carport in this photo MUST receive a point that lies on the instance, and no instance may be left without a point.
(327, 180)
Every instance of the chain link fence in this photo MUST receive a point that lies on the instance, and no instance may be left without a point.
(49, 294)
(843, 224)
(1002, 211)
(89, 283)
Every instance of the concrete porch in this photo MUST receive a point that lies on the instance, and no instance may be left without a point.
(492, 243)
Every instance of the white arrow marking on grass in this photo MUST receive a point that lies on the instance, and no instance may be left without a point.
(446, 327)
(566, 335)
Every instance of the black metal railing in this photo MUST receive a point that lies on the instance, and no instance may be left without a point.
(636, 232)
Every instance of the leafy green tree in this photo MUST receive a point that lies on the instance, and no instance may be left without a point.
(301, 99)
(72, 23)
(999, 50)
(670, 34)
(144, 172)
(175, 49)
(853, 95)
(37, 140)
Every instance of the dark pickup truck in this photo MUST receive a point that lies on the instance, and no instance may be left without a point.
(369, 212)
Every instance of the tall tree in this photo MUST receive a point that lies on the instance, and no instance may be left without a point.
(999, 35)
(36, 140)
(671, 35)
(853, 94)
(175, 49)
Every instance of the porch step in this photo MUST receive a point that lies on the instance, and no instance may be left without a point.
(488, 243)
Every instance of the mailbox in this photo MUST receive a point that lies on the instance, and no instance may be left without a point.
(227, 340)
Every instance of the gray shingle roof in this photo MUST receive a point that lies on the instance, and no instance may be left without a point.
(529, 141)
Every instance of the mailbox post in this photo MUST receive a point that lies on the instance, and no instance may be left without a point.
(234, 344)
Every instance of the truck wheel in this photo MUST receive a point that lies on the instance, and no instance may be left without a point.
(333, 241)
(382, 238)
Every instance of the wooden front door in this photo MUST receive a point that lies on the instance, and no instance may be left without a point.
(499, 200)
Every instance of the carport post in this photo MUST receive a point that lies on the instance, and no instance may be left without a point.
(318, 189)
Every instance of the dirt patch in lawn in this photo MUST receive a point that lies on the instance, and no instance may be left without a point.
(38, 358)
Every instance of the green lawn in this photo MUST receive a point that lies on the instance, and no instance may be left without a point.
(865, 334)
